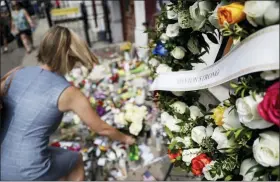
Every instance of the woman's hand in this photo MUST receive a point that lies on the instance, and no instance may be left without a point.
(129, 140)
(72, 99)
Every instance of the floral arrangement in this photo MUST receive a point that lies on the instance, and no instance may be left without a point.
(239, 138)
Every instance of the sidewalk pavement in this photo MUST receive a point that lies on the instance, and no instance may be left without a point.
(42, 28)
(17, 56)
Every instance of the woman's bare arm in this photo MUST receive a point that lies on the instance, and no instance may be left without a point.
(73, 99)
(28, 18)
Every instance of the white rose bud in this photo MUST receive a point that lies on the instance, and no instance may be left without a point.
(170, 122)
(164, 38)
(171, 14)
(248, 113)
(195, 112)
(245, 166)
(220, 137)
(266, 149)
(178, 93)
(198, 133)
(188, 155)
(172, 30)
(270, 75)
(262, 13)
(178, 52)
(186, 141)
(231, 119)
(179, 107)
(163, 68)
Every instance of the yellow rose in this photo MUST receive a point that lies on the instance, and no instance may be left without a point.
(232, 13)
(218, 114)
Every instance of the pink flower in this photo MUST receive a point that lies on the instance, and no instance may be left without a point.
(269, 108)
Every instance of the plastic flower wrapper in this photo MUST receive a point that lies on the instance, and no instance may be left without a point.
(126, 46)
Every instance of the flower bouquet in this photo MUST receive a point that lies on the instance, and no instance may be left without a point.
(237, 139)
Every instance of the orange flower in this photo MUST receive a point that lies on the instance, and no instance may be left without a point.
(232, 13)
(198, 163)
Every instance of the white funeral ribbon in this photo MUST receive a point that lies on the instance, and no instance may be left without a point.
(258, 52)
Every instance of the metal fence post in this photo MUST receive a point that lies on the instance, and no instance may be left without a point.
(85, 21)
(107, 20)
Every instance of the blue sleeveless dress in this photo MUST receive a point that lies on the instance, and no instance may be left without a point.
(29, 117)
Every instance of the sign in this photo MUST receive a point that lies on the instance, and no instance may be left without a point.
(64, 11)
(258, 52)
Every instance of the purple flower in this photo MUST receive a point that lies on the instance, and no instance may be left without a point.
(99, 96)
(160, 50)
(100, 110)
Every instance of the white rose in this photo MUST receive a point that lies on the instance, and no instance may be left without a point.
(266, 149)
(163, 68)
(186, 141)
(172, 30)
(171, 14)
(206, 172)
(248, 113)
(135, 128)
(262, 13)
(209, 131)
(164, 38)
(170, 122)
(179, 107)
(120, 119)
(188, 155)
(245, 166)
(178, 93)
(270, 75)
(178, 52)
(198, 133)
(230, 119)
(154, 62)
(195, 112)
(221, 139)
(198, 13)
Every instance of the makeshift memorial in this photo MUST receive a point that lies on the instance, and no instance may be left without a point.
(237, 139)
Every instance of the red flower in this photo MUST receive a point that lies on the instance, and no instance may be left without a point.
(55, 144)
(269, 108)
(100, 103)
(173, 156)
(198, 163)
(83, 82)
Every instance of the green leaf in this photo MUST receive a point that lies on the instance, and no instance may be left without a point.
(228, 178)
(238, 90)
(276, 171)
(212, 38)
(243, 93)
(230, 134)
(255, 169)
(233, 85)
(237, 133)
(172, 145)
(178, 158)
(168, 132)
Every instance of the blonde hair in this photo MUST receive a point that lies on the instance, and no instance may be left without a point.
(61, 49)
